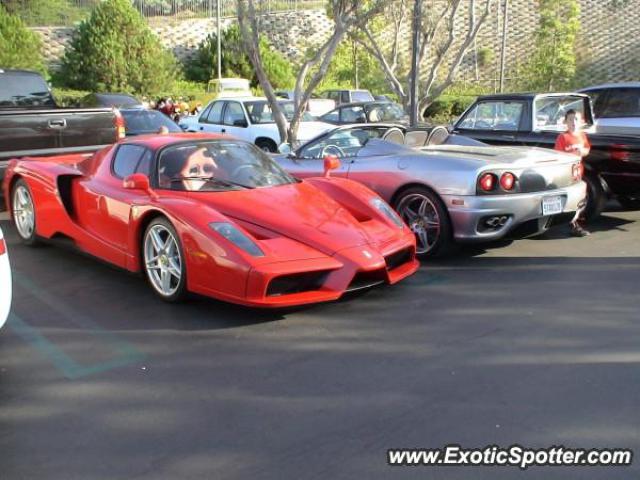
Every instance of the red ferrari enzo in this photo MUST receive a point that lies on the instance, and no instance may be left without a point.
(215, 216)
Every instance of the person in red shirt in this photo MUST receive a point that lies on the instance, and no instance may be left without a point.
(575, 141)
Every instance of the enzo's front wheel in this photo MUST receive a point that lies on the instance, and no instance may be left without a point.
(24, 212)
(427, 217)
(163, 260)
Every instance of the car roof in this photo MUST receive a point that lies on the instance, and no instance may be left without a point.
(158, 141)
(18, 70)
(611, 86)
(527, 95)
(361, 104)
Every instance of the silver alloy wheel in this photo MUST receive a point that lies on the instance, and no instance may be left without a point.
(419, 212)
(162, 260)
(23, 212)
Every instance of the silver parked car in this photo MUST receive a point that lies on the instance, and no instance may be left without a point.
(446, 187)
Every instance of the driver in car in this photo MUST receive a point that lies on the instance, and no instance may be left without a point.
(190, 173)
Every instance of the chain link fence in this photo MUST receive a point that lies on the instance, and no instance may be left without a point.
(45, 13)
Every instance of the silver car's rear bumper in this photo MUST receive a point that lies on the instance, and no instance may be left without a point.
(469, 220)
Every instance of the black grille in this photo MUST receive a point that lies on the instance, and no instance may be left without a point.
(398, 258)
(296, 283)
(367, 280)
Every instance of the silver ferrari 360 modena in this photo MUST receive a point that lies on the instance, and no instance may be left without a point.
(448, 188)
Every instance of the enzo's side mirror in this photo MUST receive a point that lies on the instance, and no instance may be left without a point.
(136, 181)
(284, 148)
(331, 162)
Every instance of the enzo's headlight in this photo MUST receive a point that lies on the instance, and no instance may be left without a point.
(239, 239)
(387, 211)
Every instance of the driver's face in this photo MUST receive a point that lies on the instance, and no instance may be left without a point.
(198, 165)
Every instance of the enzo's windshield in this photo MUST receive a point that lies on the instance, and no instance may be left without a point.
(218, 165)
(260, 112)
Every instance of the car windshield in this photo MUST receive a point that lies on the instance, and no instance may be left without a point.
(386, 112)
(138, 122)
(24, 90)
(218, 165)
(260, 112)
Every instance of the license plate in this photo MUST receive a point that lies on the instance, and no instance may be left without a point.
(551, 205)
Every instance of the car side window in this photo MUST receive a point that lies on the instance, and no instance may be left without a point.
(214, 114)
(332, 116)
(353, 115)
(233, 113)
(130, 159)
(622, 102)
(494, 115)
(345, 97)
(343, 143)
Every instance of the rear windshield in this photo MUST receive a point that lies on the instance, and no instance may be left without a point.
(361, 96)
(142, 121)
(24, 90)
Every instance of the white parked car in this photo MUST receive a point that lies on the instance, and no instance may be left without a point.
(316, 106)
(616, 107)
(250, 119)
(5, 281)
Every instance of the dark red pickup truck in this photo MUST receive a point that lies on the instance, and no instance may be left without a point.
(31, 124)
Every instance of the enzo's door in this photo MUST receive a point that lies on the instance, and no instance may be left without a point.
(106, 204)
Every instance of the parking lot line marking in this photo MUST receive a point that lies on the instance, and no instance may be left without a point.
(126, 352)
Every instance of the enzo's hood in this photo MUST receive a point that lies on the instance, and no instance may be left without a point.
(298, 211)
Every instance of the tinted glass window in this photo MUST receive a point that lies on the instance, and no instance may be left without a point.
(131, 159)
(352, 115)
(260, 111)
(24, 90)
(622, 102)
(215, 113)
(494, 115)
(332, 116)
(345, 97)
(550, 112)
(361, 96)
(138, 122)
(233, 113)
(217, 166)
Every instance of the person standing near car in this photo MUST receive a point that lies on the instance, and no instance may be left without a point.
(575, 141)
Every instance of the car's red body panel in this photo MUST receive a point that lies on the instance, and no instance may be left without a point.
(319, 225)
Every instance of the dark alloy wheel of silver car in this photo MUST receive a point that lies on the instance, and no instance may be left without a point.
(426, 216)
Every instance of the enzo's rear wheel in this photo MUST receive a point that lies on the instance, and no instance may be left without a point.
(427, 217)
(164, 260)
(24, 212)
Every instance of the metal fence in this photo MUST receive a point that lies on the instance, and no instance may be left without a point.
(207, 8)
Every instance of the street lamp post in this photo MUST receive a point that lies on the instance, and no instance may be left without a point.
(218, 15)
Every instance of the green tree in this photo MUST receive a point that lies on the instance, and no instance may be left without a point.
(21, 48)
(114, 50)
(552, 65)
(236, 63)
(47, 12)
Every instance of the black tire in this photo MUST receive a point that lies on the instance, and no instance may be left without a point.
(180, 292)
(596, 197)
(28, 238)
(444, 241)
(266, 145)
(630, 203)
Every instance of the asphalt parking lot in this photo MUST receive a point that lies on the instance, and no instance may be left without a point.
(532, 342)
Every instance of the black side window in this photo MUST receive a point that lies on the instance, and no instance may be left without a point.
(622, 102)
(131, 159)
(345, 97)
